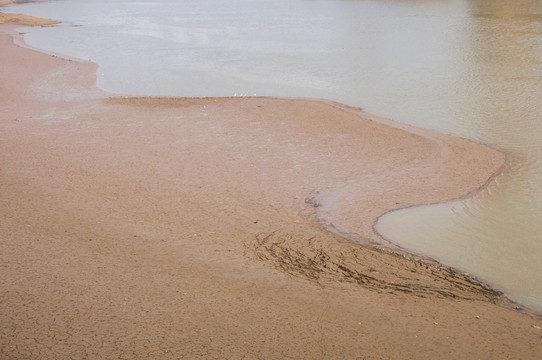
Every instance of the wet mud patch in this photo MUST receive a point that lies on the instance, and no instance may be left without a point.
(335, 260)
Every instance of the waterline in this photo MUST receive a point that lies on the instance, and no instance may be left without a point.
(469, 68)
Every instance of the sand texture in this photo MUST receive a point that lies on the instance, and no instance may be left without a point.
(25, 20)
(225, 228)
(21, 19)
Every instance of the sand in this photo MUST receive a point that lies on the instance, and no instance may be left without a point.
(22, 19)
(226, 228)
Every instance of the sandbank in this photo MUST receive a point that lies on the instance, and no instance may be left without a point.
(221, 228)
(22, 19)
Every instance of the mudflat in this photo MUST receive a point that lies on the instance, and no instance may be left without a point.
(226, 228)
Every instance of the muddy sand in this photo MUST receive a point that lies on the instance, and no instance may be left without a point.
(226, 228)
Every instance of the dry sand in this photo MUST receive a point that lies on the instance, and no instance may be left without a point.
(200, 228)
(22, 19)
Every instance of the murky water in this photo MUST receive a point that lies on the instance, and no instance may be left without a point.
(472, 68)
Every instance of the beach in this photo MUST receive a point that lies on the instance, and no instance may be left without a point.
(226, 228)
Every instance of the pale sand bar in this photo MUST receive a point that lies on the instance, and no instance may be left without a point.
(22, 19)
(199, 228)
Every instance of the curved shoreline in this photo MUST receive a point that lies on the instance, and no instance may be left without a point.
(81, 192)
(466, 196)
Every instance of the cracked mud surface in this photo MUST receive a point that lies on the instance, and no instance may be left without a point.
(180, 229)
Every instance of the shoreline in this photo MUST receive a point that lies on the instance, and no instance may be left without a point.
(330, 265)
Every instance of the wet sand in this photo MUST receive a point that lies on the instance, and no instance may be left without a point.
(226, 228)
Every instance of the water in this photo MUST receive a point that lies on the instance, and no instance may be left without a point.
(470, 68)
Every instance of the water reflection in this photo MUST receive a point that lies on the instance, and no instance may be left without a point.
(496, 235)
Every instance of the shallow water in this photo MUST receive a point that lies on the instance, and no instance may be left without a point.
(470, 68)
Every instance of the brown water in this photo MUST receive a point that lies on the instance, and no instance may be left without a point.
(472, 68)
(497, 234)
